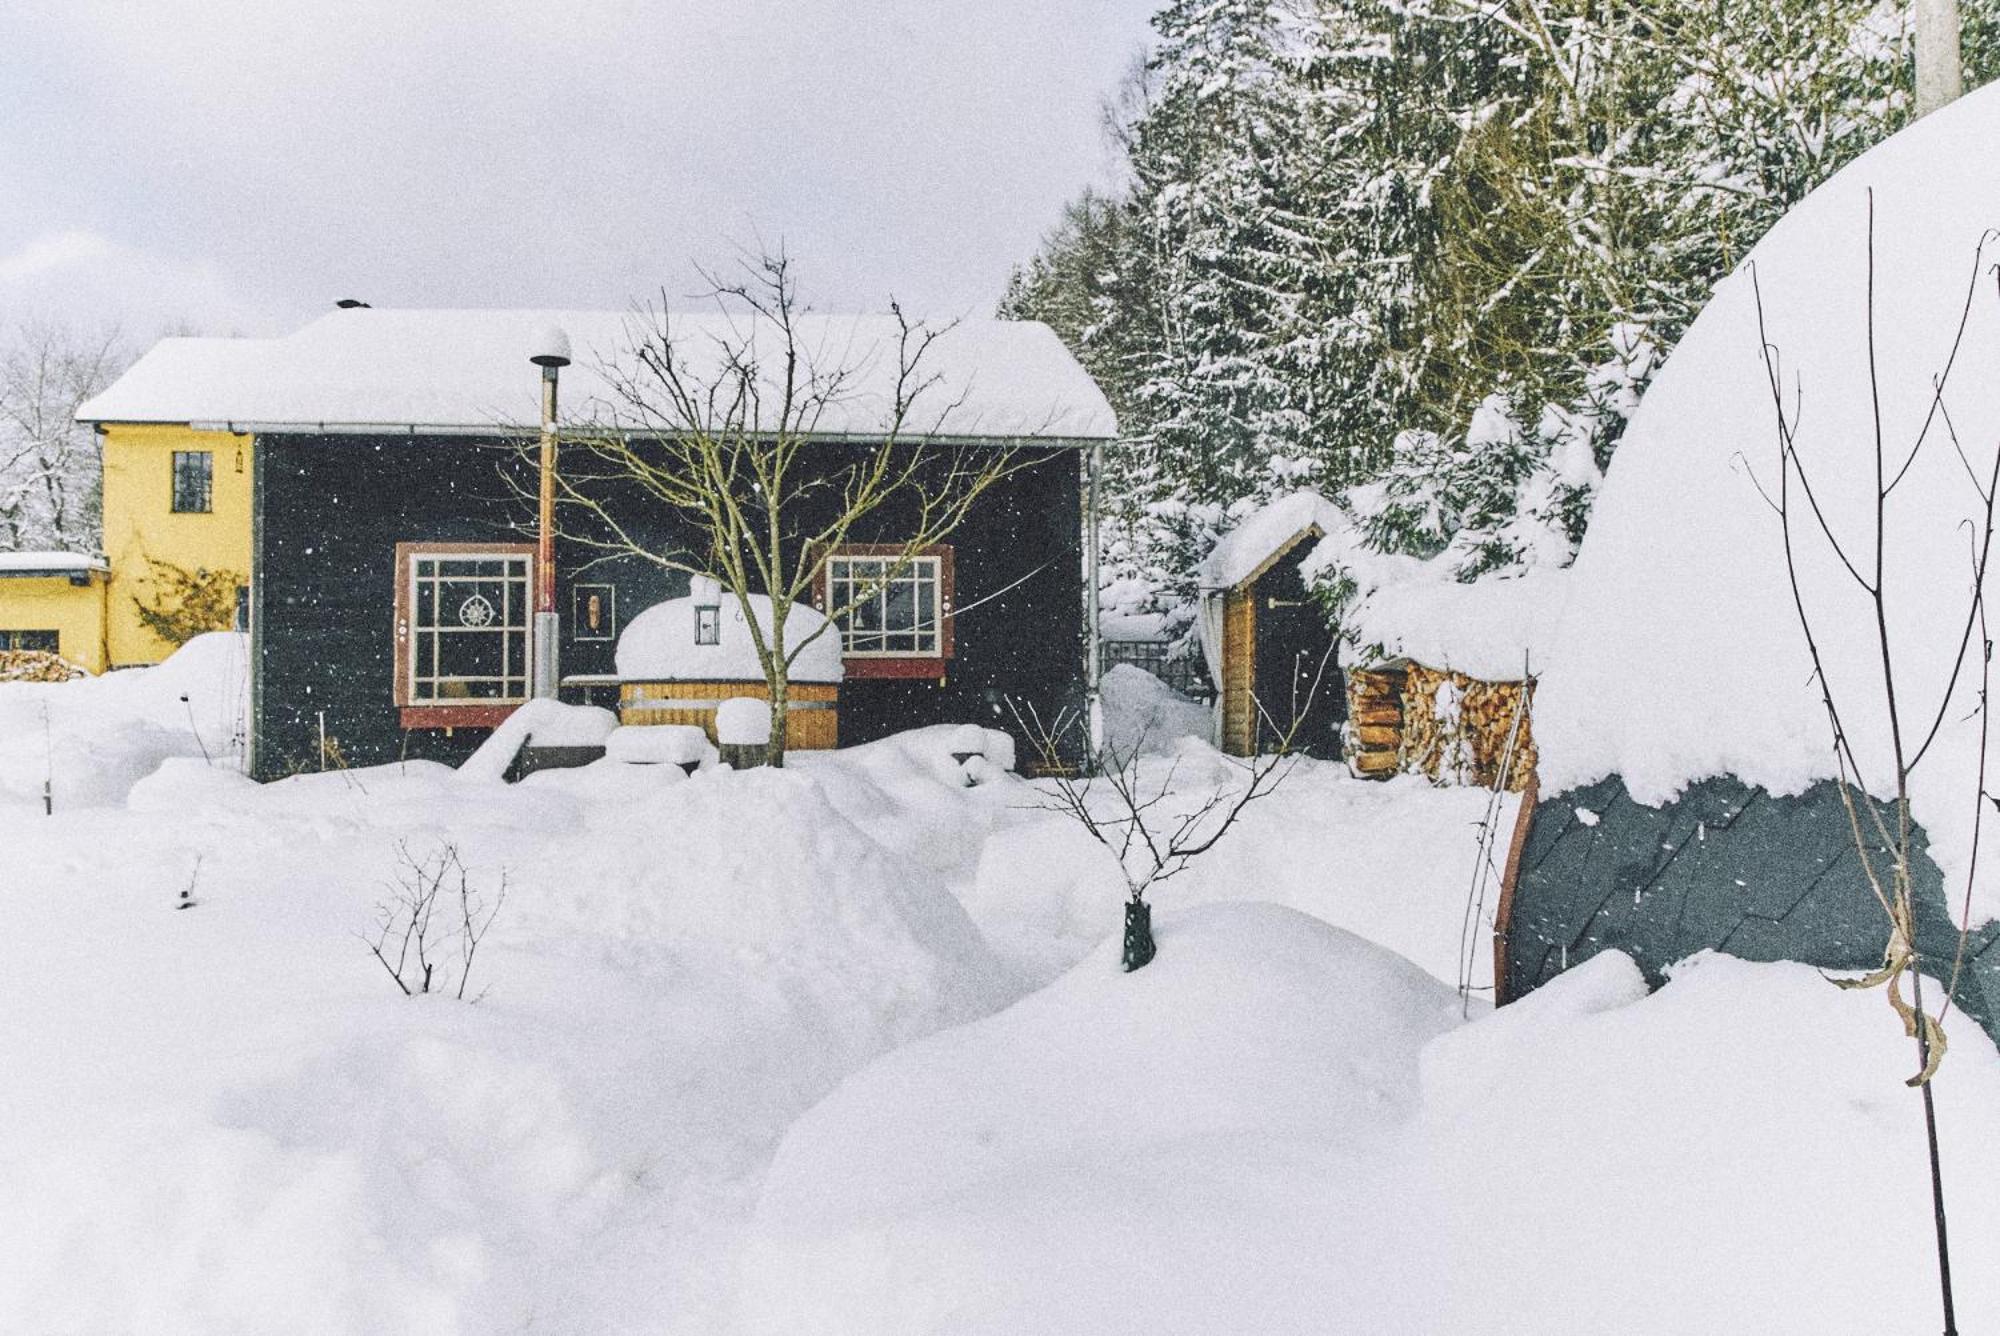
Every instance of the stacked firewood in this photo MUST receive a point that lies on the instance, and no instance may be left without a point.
(34, 665)
(1439, 723)
(1455, 728)
(1375, 721)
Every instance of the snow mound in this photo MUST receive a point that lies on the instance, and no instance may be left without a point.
(743, 721)
(660, 643)
(1252, 1018)
(195, 1140)
(95, 737)
(538, 723)
(659, 744)
(1680, 656)
(1078, 1164)
(1144, 714)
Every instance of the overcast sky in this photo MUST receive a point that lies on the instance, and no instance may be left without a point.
(238, 165)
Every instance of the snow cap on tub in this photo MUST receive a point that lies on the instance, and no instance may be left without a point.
(660, 643)
(743, 721)
(1680, 654)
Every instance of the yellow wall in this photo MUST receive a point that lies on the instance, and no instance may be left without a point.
(140, 523)
(74, 612)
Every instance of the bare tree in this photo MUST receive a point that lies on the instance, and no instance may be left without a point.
(726, 438)
(435, 910)
(1136, 819)
(1884, 844)
(50, 473)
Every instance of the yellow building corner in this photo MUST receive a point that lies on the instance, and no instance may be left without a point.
(54, 601)
(176, 553)
(176, 532)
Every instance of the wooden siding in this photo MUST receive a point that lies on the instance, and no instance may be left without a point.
(816, 727)
(1239, 668)
(331, 510)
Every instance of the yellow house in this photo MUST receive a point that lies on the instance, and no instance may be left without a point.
(54, 601)
(176, 553)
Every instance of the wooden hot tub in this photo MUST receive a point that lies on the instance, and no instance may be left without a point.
(812, 721)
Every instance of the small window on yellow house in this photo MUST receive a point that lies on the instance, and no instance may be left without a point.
(194, 476)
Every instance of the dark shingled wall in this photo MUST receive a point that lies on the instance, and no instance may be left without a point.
(1725, 866)
(330, 510)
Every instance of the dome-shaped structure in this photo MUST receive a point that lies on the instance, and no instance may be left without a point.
(680, 660)
(1680, 656)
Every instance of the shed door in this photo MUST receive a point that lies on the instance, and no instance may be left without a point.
(1297, 668)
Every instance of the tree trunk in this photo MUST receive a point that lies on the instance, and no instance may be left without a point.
(1940, 77)
(780, 706)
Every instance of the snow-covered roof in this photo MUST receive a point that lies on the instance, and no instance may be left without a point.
(659, 644)
(1681, 655)
(1497, 628)
(1264, 534)
(468, 370)
(49, 563)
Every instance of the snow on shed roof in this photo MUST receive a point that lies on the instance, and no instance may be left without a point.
(1264, 534)
(1680, 655)
(468, 370)
(50, 563)
(1496, 628)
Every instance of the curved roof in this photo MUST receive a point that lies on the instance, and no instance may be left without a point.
(1680, 655)
(468, 371)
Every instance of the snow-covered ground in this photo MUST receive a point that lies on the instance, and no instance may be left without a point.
(845, 1048)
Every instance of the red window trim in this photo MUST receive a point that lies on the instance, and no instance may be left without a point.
(436, 714)
(905, 665)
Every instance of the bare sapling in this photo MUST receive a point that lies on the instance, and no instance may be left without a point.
(1897, 700)
(435, 914)
(1151, 837)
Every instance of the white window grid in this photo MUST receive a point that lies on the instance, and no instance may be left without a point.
(898, 615)
(443, 586)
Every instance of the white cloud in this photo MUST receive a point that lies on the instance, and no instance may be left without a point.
(81, 278)
(513, 153)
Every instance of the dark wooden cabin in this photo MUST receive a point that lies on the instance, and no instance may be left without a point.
(388, 536)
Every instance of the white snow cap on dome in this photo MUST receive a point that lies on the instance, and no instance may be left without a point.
(660, 643)
(1680, 655)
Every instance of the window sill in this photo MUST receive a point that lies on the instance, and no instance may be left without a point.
(929, 666)
(456, 716)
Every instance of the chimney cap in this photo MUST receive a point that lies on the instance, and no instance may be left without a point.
(549, 347)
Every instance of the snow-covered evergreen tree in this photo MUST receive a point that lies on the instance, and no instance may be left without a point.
(1426, 253)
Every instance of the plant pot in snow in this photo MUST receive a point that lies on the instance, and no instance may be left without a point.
(1139, 946)
(745, 755)
(743, 731)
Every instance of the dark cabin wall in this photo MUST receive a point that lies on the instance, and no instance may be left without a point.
(330, 511)
(1726, 866)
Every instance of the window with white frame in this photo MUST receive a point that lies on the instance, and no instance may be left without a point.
(890, 605)
(464, 617)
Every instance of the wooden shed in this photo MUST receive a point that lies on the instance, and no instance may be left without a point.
(1270, 648)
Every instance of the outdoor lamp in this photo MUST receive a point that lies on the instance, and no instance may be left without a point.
(549, 350)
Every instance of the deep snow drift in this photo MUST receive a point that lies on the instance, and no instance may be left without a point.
(90, 740)
(1252, 1134)
(228, 1118)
